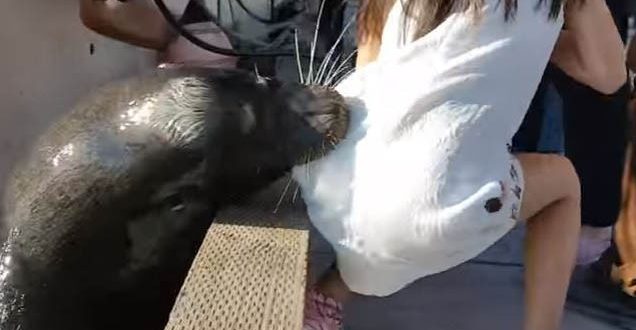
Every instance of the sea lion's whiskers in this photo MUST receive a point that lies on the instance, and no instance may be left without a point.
(321, 68)
(322, 76)
(283, 194)
(326, 148)
(295, 197)
(300, 66)
(340, 76)
(343, 76)
(332, 50)
(333, 75)
(326, 62)
(337, 74)
(307, 167)
(308, 157)
(310, 74)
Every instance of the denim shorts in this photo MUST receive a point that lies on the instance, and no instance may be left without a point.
(542, 130)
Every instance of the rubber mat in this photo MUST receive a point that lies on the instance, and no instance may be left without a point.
(251, 270)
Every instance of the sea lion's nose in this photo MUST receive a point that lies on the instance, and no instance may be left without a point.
(332, 111)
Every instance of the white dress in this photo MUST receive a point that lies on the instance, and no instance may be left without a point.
(425, 180)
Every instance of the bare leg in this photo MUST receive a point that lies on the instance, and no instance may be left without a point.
(551, 206)
(331, 285)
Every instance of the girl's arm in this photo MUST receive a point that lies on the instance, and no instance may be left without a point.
(589, 48)
(135, 22)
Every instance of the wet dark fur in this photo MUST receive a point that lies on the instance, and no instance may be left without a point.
(106, 215)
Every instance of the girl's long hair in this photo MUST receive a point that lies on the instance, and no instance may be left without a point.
(429, 13)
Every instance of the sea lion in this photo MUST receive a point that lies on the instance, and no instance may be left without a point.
(106, 214)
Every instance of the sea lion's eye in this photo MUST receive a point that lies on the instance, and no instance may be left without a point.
(175, 202)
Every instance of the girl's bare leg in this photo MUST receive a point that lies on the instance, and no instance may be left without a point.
(551, 206)
(332, 285)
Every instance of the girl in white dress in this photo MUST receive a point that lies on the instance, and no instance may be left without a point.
(425, 180)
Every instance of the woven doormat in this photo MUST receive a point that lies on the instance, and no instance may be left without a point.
(250, 271)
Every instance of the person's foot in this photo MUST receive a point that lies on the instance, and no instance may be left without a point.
(592, 243)
(321, 312)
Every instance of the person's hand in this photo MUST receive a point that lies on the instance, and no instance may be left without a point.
(138, 23)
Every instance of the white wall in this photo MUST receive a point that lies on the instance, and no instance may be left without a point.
(45, 66)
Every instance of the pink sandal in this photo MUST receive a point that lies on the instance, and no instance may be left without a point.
(321, 312)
